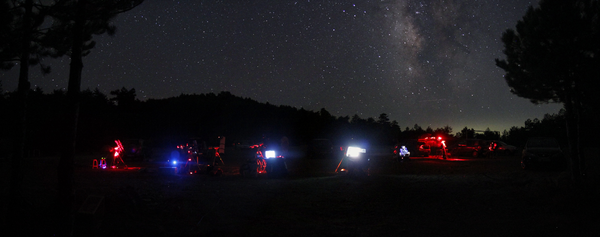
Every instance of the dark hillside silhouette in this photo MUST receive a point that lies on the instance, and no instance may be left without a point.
(166, 122)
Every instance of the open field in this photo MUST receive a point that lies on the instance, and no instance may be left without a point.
(421, 197)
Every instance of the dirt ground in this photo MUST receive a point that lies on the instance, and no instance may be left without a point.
(421, 197)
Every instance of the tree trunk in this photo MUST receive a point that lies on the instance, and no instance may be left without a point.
(573, 138)
(14, 219)
(66, 164)
(577, 115)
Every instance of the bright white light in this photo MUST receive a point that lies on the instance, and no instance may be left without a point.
(270, 154)
(174, 162)
(354, 152)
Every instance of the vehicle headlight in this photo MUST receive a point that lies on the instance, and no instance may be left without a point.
(354, 152)
(270, 154)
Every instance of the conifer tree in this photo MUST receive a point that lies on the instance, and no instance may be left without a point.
(553, 57)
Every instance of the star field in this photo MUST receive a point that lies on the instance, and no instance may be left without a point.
(421, 62)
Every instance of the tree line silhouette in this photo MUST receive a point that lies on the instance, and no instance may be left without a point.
(166, 122)
(33, 30)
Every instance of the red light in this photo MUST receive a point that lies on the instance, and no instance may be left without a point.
(116, 153)
(439, 138)
(190, 159)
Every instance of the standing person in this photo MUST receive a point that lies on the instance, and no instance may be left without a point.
(492, 149)
(285, 146)
(435, 150)
(222, 145)
(444, 154)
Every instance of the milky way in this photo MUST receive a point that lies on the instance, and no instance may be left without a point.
(421, 62)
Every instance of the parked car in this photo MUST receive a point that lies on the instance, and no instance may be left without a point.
(321, 148)
(469, 148)
(503, 148)
(244, 144)
(543, 152)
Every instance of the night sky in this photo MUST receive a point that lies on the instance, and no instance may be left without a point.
(421, 62)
